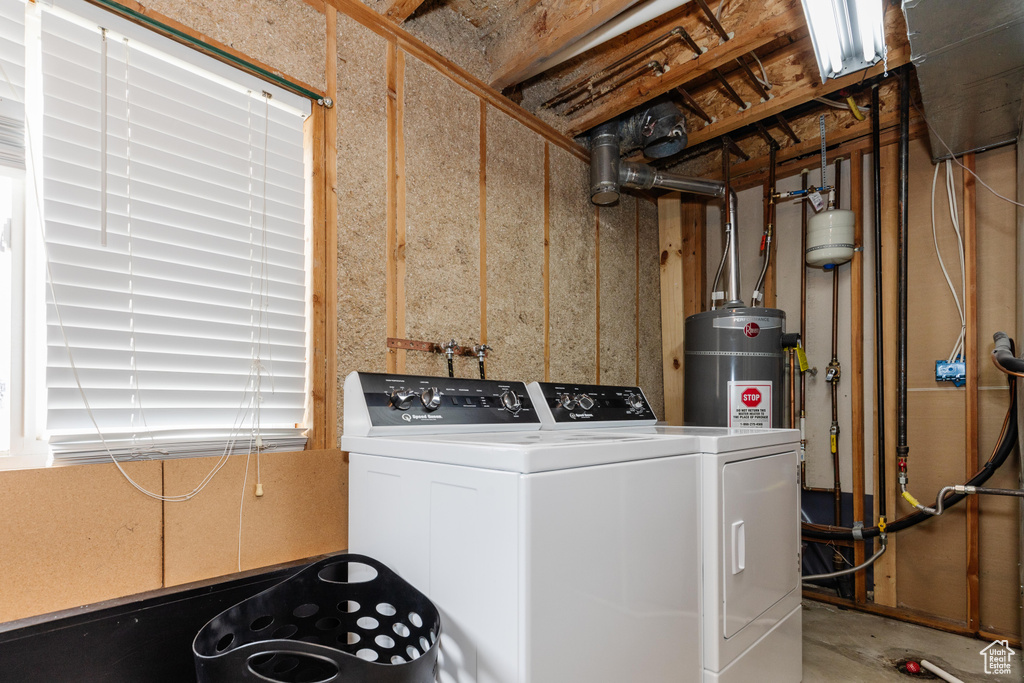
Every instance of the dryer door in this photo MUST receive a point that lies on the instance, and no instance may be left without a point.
(760, 514)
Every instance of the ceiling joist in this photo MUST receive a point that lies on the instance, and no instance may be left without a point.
(543, 28)
(400, 10)
(775, 20)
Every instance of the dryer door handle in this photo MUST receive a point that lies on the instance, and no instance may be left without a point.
(739, 547)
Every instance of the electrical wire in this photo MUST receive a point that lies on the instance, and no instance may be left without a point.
(959, 344)
(952, 156)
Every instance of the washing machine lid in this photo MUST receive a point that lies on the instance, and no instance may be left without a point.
(525, 452)
(720, 439)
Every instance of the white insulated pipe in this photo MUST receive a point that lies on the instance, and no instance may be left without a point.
(638, 14)
(925, 664)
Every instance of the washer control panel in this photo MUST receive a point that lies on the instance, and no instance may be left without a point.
(573, 406)
(418, 404)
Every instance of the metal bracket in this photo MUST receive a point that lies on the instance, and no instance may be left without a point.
(858, 531)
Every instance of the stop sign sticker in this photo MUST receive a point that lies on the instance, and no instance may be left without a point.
(750, 404)
(751, 397)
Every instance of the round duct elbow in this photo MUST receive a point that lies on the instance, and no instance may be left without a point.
(658, 130)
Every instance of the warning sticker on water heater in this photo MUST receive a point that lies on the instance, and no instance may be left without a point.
(750, 404)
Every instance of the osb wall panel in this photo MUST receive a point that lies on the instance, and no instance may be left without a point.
(617, 304)
(362, 202)
(303, 512)
(515, 249)
(75, 535)
(289, 35)
(442, 256)
(650, 376)
(572, 272)
(931, 561)
(997, 310)
(931, 558)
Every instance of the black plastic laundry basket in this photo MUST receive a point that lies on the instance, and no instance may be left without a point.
(347, 619)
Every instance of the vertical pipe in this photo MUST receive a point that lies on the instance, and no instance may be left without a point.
(803, 330)
(876, 164)
(732, 296)
(902, 450)
(792, 388)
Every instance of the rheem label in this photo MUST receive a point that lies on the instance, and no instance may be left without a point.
(750, 404)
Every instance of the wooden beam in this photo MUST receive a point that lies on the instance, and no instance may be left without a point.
(366, 16)
(695, 286)
(313, 144)
(777, 20)
(541, 29)
(394, 298)
(857, 363)
(546, 269)
(673, 294)
(970, 201)
(400, 10)
(331, 221)
(885, 567)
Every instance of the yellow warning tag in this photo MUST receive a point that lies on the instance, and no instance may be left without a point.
(832, 439)
(802, 358)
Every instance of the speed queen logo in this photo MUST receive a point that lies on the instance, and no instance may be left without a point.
(750, 404)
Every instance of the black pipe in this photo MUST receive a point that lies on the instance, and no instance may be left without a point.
(1003, 356)
(1005, 447)
(876, 162)
(902, 450)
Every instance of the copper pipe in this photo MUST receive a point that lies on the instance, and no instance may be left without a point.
(803, 332)
(792, 388)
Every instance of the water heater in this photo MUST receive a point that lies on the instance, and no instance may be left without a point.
(733, 368)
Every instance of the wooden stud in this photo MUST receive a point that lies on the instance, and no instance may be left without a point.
(885, 567)
(597, 284)
(970, 235)
(694, 217)
(400, 10)
(483, 221)
(857, 363)
(313, 144)
(544, 28)
(394, 302)
(636, 244)
(673, 296)
(546, 268)
(367, 17)
(331, 220)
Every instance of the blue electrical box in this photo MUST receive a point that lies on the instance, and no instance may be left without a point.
(951, 371)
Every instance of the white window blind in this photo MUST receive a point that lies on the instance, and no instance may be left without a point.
(12, 83)
(183, 310)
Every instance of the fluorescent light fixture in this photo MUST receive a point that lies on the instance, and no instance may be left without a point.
(848, 35)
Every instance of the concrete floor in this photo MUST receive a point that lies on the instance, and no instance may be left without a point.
(848, 646)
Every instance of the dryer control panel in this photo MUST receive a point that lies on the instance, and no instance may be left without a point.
(379, 403)
(576, 406)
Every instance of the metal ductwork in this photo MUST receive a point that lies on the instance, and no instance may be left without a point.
(608, 173)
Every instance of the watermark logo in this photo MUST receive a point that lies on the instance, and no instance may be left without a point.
(998, 658)
(407, 417)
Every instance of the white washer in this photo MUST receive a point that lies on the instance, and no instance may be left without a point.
(552, 557)
(750, 536)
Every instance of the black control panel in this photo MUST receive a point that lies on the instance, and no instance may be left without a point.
(412, 400)
(581, 403)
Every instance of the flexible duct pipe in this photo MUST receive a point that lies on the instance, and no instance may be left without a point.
(626, 21)
(604, 163)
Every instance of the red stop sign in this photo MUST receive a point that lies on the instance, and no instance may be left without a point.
(751, 397)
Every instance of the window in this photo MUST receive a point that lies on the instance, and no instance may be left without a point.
(166, 198)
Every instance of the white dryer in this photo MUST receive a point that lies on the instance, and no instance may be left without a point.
(750, 532)
(553, 557)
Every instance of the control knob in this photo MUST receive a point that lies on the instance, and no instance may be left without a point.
(635, 401)
(400, 398)
(566, 401)
(511, 401)
(585, 402)
(431, 399)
